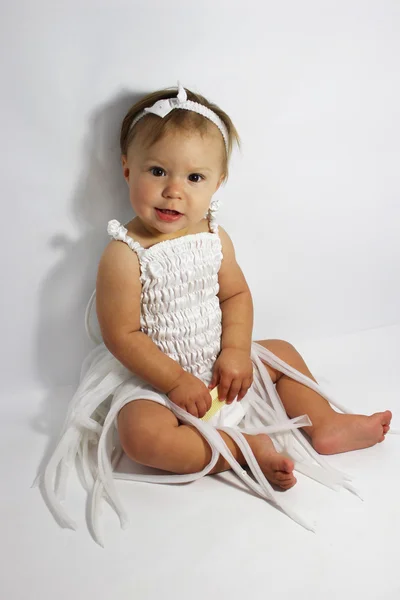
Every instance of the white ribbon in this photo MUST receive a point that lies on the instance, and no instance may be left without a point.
(163, 107)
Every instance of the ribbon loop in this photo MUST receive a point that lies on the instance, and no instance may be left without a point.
(182, 96)
(161, 108)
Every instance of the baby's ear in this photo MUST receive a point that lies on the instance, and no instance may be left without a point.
(220, 180)
(125, 167)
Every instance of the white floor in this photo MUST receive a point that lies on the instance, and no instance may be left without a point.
(212, 538)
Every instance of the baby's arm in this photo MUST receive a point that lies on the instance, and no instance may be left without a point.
(118, 309)
(235, 300)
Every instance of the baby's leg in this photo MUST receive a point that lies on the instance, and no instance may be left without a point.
(151, 435)
(331, 432)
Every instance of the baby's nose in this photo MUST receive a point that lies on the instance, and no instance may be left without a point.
(173, 189)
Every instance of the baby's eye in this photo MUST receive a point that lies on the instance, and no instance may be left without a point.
(157, 171)
(195, 177)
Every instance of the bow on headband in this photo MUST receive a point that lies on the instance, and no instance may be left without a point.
(163, 107)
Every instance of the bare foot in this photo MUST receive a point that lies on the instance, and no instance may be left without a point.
(277, 468)
(350, 432)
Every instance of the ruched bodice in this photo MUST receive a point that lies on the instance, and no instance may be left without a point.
(180, 308)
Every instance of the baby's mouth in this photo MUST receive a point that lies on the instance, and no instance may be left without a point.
(169, 212)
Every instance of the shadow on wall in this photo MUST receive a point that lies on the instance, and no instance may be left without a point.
(100, 195)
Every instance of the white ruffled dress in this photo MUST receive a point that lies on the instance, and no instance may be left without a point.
(180, 312)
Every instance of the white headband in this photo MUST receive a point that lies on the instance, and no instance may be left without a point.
(162, 108)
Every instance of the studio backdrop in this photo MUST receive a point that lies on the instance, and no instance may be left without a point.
(312, 201)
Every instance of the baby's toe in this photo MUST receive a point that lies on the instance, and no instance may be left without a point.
(281, 477)
(285, 465)
(382, 419)
(286, 485)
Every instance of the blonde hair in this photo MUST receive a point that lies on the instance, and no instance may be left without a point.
(156, 127)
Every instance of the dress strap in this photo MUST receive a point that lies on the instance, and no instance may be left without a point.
(120, 233)
(212, 221)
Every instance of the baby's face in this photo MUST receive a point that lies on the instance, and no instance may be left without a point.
(180, 172)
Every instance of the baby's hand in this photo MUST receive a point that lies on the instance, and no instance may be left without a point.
(191, 394)
(233, 373)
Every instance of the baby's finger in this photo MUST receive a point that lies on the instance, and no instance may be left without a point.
(193, 410)
(234, 390)
(241, 394)
(245, 388)
(214, 381)
(201, 408)
(223, 388)
(212, 385)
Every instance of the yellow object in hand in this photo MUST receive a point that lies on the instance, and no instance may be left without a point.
(216, 405)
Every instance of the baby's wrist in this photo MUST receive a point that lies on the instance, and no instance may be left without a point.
(245, 349)
(175, 382)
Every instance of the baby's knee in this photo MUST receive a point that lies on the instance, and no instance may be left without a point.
(138, 444)
(280, 348)
(284, 346)
(141, 433)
